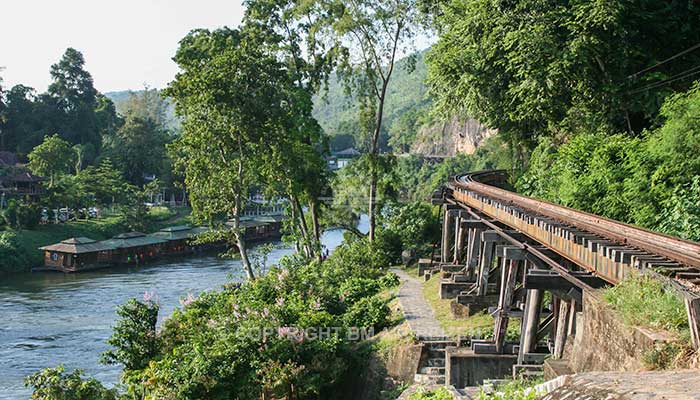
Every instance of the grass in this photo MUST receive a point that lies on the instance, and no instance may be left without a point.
(479, 325)
(647, 302)
(19, 248)
(644, 301)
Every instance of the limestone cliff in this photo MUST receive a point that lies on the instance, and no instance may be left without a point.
(450, 138)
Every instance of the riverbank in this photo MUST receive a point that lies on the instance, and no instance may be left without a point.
(19, 248)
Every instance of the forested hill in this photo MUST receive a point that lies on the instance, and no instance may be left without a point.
(407, 105)
(122, 98)
(408, 126)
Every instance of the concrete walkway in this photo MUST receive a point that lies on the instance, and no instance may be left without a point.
(416, 310)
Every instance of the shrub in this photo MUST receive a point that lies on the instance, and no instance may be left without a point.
(437, 394)
(356, 288)
(389, 280)
(414, 223)
(368, 312)
(55, 384)
(134, 338)
(22, 214)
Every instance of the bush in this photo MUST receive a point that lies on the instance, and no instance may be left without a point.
(368, 312)
(54, 384)
(389, 280)
(414, 223)
(22, 214)
(134, 338)
(356, 288)
(437, 394)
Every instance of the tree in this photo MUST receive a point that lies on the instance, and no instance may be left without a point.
(297, 33)
(104, 183)
(378, 32)
(53, 157)
(137, 148)
(74, 98)
(230, 95)
(554, 67)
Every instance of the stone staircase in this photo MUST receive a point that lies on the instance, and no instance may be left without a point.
(431, 370)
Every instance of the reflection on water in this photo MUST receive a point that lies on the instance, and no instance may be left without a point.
(52, 318)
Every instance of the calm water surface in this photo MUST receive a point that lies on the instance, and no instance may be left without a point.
(52, 318)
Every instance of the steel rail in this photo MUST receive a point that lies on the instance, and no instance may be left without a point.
(564, 272)
(683, 251)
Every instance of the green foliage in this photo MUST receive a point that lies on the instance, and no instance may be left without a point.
(405, 112)
(356, 288)
(648, 181)
(55, 384)
(21, 214)
(134, 339)
(368, 312)
(516, 389)
(644, 301)
(415, 223)
(553, 67)
(389, 280)
(247, 340)
(663, 355)
(138, 148)
(53, 157)
(437, 394)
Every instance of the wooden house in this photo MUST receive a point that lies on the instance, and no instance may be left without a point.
(77, 254)
(135, 248)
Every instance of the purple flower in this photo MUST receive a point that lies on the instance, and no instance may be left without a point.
(317, 304)
(237, 315)
(188, 300)
(150, 296)
(235, 307)
(280, 301)
(266, 312)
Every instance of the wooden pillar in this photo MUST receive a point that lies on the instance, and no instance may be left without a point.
(447, 227)
(505, 300)
(531, 322)
(461, 239)
(474, 252)
(485, 263)
(692, 307)
(562, 329)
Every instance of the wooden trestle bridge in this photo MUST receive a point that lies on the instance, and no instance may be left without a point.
(501, 251)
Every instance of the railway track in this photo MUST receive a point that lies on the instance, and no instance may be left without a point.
(577, 245)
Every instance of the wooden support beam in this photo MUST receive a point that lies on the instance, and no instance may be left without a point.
(531, 322)
(692, 307)
(485, 263)
(562, 329)
(545, 325)
(508, 279)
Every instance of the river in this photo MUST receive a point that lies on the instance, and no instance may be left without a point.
(52, 318)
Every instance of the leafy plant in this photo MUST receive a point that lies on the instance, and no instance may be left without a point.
(55, 384)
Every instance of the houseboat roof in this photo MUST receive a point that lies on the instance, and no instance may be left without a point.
(247, 222)
(174, 233)
(177, 228)
(78, 245)
(126, 240)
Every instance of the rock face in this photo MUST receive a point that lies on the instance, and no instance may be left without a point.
(450, 138)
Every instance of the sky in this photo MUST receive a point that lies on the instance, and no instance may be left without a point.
(126, 43)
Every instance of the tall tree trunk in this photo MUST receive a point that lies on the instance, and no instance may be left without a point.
(313, 209)
(302, 226)
(240, 239)
(374, 160)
